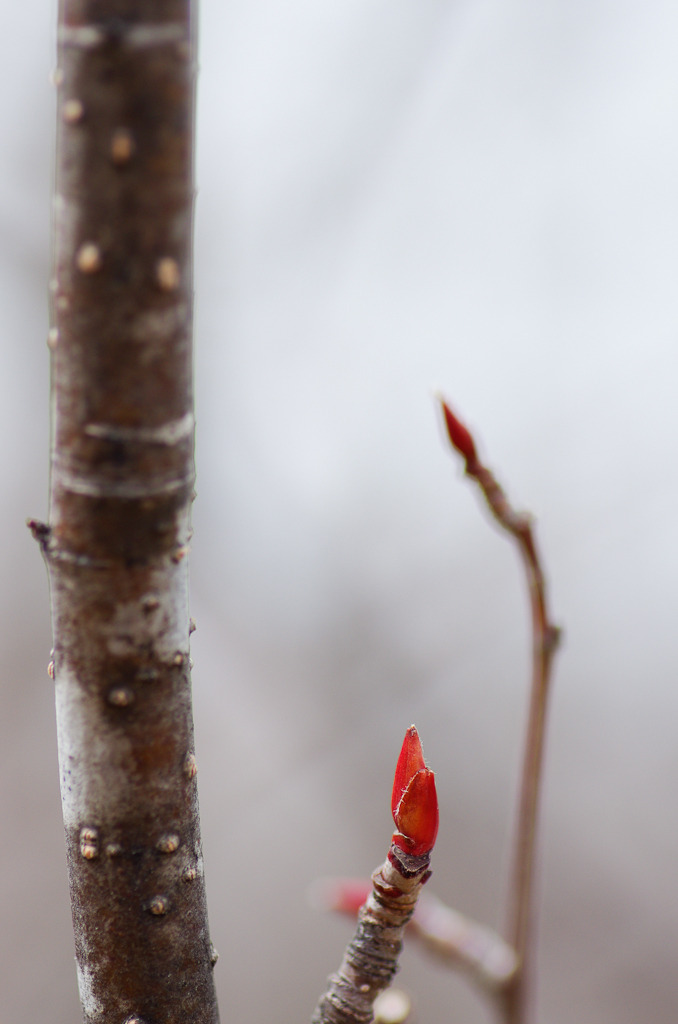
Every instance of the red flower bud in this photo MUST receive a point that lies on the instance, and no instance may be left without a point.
(459, 435)
(414, 802)
(410, 761)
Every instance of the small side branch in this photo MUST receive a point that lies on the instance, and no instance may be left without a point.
(545, 638)
(461, 942)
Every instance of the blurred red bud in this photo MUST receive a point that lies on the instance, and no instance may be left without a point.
(459, 435)
(345, 895)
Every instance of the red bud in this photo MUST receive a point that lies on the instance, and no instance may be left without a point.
(459, 435)
(411, 761)
(417, 815)
(414, 802)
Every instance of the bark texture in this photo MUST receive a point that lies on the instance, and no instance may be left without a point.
(122, 483)
(371, 958)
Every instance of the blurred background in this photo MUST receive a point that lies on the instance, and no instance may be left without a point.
(471, 195)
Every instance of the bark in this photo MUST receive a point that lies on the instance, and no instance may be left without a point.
(122, 483)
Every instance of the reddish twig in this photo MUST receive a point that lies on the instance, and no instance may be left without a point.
(371, 958)
(545, 637)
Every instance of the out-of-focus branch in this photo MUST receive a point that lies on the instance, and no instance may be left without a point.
(545, 637)
(453, 938)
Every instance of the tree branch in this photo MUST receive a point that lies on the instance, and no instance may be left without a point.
(545, 638)
(122, 479)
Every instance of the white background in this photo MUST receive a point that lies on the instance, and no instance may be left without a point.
(393, 197)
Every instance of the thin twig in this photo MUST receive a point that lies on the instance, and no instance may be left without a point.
(461, 942)
(545, 637)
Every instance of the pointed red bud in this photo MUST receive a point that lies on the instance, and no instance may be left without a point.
(414, 802)
(459, 435)
(410, 761)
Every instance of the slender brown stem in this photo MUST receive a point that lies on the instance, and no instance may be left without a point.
(545, 637)
(544, 642)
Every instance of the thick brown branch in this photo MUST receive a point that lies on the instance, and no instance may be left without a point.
(121, 488)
